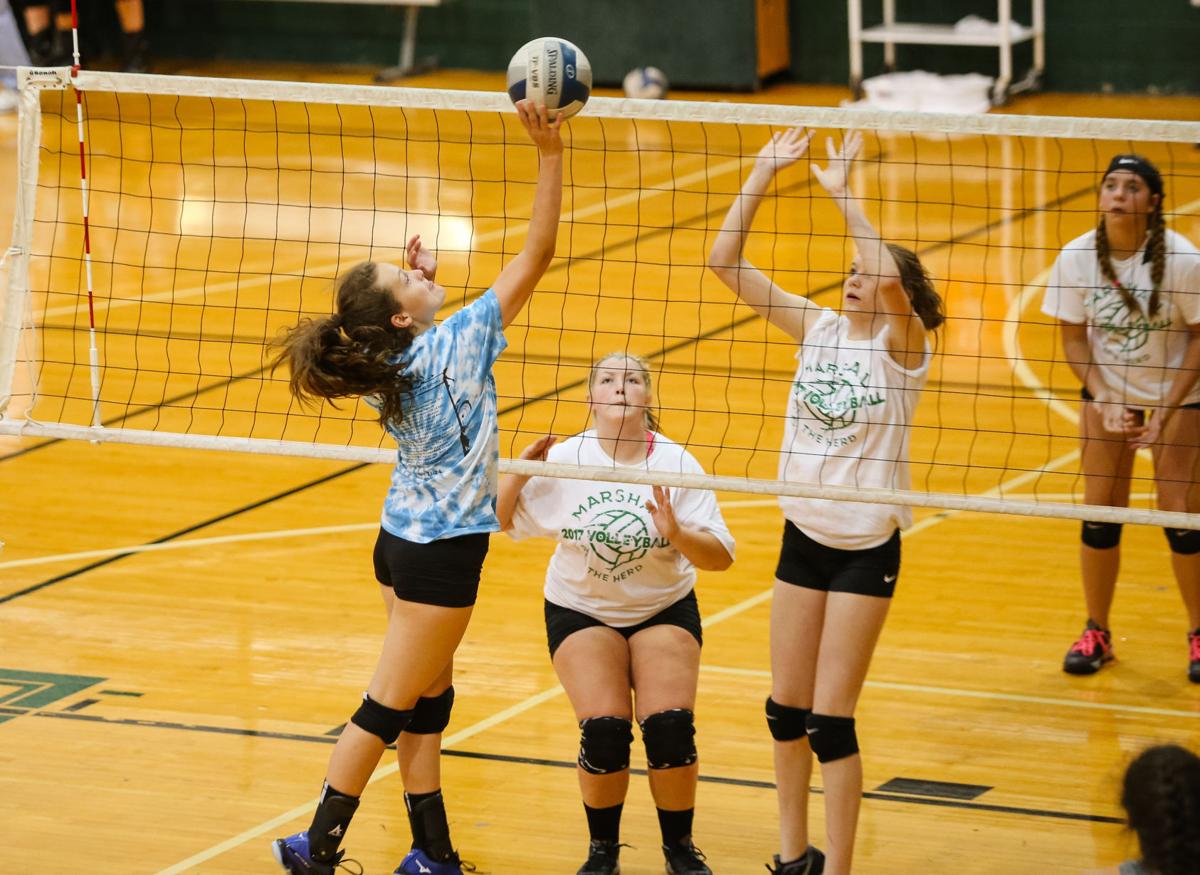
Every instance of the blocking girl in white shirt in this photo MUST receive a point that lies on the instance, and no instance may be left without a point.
(1127, 297)
(621, 613)
(859, 377)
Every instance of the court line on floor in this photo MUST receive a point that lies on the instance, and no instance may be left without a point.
(1019, 215)
(318, 531)
(537, 699)
(1012, 341)
(75, 572)
(961, 693)
(565, 764)
(670, 185)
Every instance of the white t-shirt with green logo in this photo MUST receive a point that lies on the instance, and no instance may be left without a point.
(611, 563)
(1137, 354)
(848, 419)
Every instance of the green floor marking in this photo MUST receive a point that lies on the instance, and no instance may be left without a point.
(36, 689)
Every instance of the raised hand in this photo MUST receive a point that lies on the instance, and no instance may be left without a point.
(833, 178)
(537, 450)
(419, 257)
(543, 131)
(662, 513)
(784, 149)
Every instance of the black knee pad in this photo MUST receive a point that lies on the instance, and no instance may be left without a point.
(1101, 536)
(670, 739)
(431, 714)
(785, 722)
(832, 738)
(604, 744)
(1185, 542)
(380, 720)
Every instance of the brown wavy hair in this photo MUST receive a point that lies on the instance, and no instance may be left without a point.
(926, 302)
(641, 365)
(1156, 251)
(352, 352)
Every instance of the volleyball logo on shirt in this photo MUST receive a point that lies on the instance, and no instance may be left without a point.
(1125, 331)
(618, 537)
(834, 392)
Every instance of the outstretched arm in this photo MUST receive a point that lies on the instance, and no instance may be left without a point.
(727, 260)
(906, 339)
(520, 276)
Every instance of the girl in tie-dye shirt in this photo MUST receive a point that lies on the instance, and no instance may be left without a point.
(432, 385)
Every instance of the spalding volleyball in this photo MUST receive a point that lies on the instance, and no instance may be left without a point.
(552, 71)
(649, 83)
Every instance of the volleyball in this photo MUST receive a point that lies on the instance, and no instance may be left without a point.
(649, 83)
(552, 71)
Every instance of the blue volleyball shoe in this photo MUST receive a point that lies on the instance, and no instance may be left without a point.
(294, 856)
(417, 862)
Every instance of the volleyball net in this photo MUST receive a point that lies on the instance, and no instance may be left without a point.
(220, 212)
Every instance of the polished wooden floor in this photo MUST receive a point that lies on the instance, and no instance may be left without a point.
(181, 632)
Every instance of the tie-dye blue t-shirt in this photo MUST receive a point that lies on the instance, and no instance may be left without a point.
(444, 482)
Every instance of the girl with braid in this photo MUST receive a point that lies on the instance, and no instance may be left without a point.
(839, 560)
(1127, 297)
(1161, 798)
(432, 385)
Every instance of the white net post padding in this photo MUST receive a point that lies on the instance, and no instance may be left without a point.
(29, 134)
(180, 326)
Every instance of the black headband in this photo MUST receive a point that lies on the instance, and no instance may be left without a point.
(1139, 165)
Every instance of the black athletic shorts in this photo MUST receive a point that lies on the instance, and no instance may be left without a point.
(808, 563)
(1087, 396)
(444, 572)
(561, 622)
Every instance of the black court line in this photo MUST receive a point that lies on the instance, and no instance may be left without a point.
(964, 805)
(599, 252)
(108, 560)
(175, 399)
(1020, 215)
(667, 350)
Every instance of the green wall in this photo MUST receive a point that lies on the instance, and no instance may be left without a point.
(1091, 45)
(474, 34)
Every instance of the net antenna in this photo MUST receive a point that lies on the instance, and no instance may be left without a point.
(221, 211)
(93, 351)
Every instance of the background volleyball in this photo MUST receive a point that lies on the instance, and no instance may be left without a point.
(645, 82)
(552, 71)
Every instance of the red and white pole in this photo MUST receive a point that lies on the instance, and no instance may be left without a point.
(93, 352)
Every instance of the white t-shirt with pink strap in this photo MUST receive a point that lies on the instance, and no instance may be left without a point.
(611, 563)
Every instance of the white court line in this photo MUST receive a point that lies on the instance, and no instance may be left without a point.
(981, 694)
(245, 283)
(192, 542)
(316, 532)
(380, 773)
(1012, 341)
(546, 695)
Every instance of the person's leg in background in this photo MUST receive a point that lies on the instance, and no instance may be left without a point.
(131, 15)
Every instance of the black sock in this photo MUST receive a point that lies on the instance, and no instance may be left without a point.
(329, 823)
(431, 832)
(675, 825)
(604, 824)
